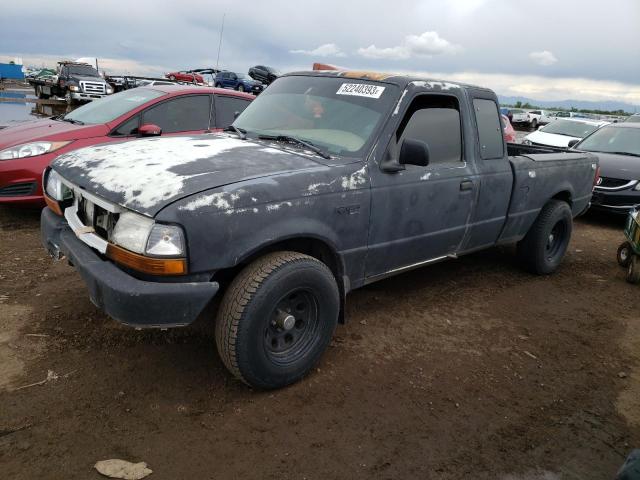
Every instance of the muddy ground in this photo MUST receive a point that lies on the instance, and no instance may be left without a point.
(466, 369)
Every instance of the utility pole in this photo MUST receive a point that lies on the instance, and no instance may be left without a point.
(220, 41)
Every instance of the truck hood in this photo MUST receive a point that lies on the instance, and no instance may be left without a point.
(624, 167)
(47, 130)
(78, 78)
(550, 139)
(146, 175)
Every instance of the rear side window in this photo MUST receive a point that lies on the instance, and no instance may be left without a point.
(181, 114)
(435, 120)
(489, 130)
(226, 108)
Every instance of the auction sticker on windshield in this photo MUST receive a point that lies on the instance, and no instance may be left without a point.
(360, 90)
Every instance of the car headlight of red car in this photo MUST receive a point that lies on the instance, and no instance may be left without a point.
(31, 149)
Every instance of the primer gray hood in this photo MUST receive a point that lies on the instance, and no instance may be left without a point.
(146, 175)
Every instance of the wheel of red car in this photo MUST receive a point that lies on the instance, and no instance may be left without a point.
(172, 78)
(624, 254)
(277, 318)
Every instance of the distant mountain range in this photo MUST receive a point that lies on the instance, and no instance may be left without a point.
(568, 104)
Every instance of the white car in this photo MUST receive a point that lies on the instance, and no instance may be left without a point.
(560, 132)
(539, 117)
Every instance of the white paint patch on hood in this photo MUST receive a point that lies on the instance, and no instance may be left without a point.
(139, 169)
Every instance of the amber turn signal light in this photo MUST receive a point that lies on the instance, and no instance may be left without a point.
(152, 266)
(53, 205)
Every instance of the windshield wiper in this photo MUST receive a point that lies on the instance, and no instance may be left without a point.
(625, 153)
(241, 132)
(297, 141)
(71, 120)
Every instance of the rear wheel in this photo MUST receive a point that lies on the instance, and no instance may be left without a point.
(241, 88)
(633, 271)
(544, 245)
(277, 319)
(624, 254)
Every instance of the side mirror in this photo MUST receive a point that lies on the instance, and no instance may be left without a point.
(149, 130)
(236, 115)
(414, 152)
(573, 143)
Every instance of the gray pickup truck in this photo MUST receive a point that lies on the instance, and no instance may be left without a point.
(327, 182)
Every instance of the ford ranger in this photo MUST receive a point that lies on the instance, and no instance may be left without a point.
(328, 181)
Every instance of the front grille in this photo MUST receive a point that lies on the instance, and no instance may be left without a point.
(18, 190)
(97, 217)
(612, 182)
(93, 87)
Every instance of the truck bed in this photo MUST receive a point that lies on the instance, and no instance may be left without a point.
(515, 149)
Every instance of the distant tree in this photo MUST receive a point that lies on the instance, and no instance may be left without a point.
(518, 104)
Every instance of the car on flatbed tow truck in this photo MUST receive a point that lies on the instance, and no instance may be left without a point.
(330, 181)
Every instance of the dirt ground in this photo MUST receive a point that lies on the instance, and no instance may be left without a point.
(466, 369)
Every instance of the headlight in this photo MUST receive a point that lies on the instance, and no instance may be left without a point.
(142, 235)
(74, 88)
(55, 188)
(132, 231)
(32, 149)
(165, 241)
(109, 90)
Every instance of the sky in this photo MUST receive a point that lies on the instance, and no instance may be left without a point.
(543, 49)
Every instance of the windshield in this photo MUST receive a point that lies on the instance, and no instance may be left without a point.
(338, 115)
(570, 128)
(613, 140)
(83, 70)
(111, 107)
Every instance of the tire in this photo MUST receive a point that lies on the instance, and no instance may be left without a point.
(546, 242)
(68, 98)
(624, 255)
(534, 124)
(633, 272)
(241, 88)
(217, 85)
(256, 339)
(172, 78)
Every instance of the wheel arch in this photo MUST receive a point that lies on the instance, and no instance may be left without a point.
(315, 246)
(565, 196)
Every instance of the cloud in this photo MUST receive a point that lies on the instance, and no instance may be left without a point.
(544, 58)
(325, 50)
(427, 44)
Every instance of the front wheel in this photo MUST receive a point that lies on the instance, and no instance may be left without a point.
(633, 272)
(68, 98)
(544, 245)
(624, 254)
(277, 318)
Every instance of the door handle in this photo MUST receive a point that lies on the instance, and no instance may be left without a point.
(466, 185)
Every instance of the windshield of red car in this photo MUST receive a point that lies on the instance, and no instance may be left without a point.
(111, 107)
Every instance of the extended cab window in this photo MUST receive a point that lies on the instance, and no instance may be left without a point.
(489, 129)
(435, 120)
(226, 108)
(180, 114)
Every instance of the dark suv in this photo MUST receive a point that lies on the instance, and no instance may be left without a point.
(238, 81)
(264, 74)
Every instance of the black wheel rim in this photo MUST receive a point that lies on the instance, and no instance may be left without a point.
(292, 329)
(555, 240)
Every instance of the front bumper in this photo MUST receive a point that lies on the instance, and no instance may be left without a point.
(131, 301)
(621, 201)
(81, 96)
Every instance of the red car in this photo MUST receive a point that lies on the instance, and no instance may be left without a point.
(508, 130)
(185, 76)
(26, 149)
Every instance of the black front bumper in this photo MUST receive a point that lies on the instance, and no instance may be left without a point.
(615, 201)
(134, 302)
